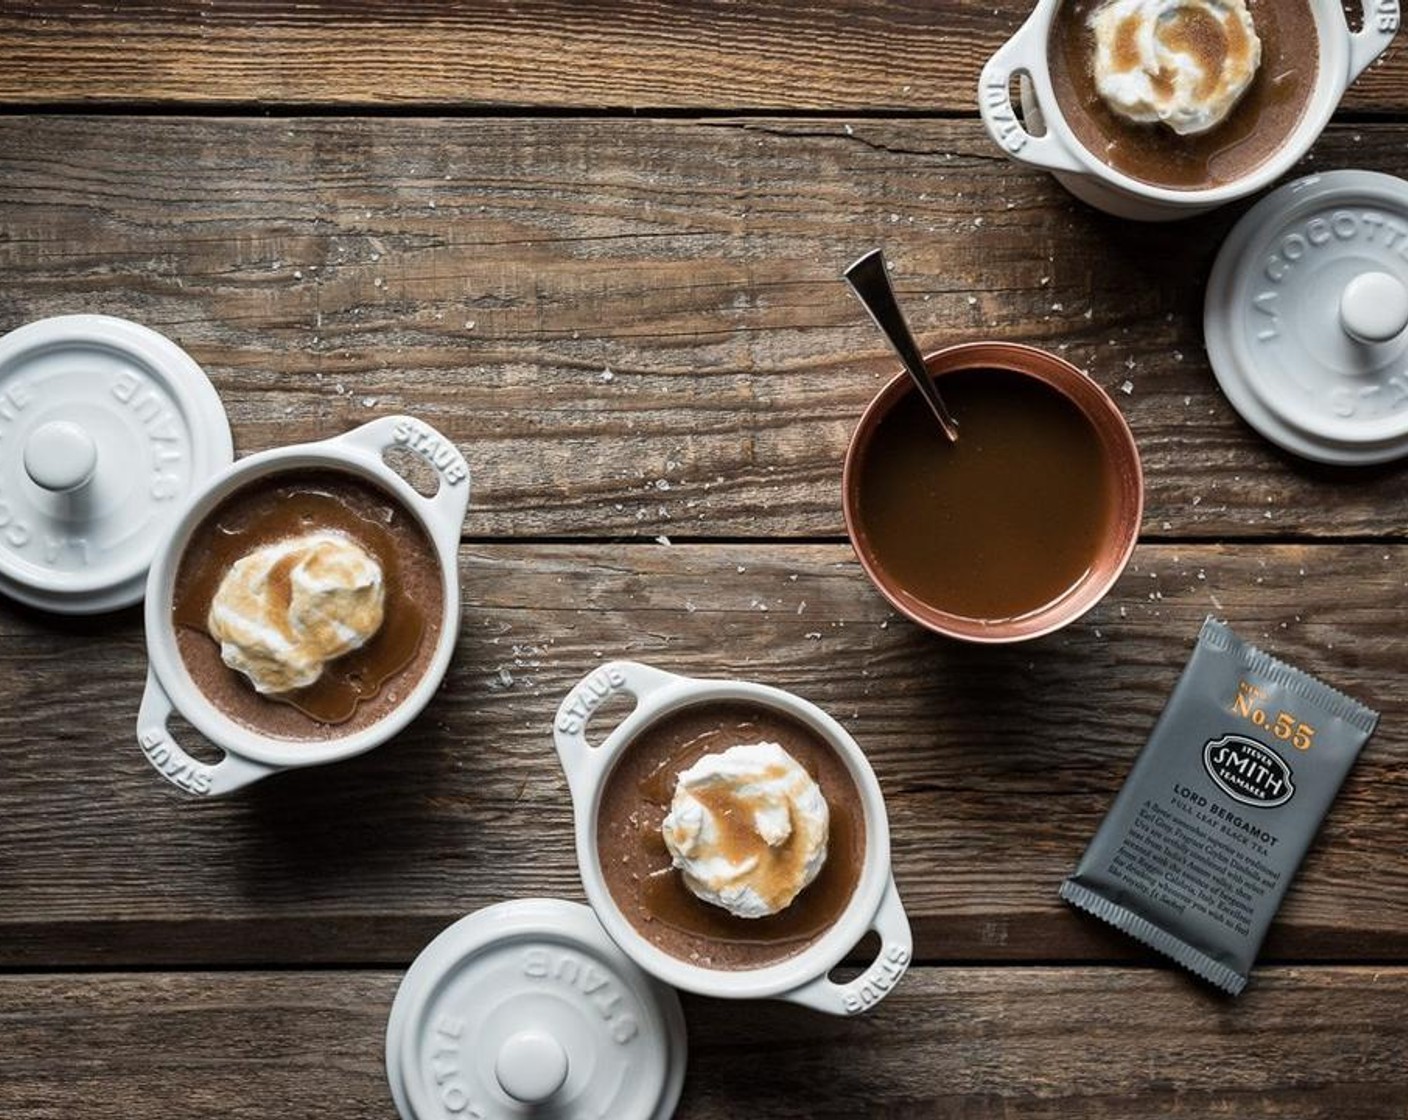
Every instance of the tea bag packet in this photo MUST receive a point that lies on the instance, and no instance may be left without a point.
(1208, 830)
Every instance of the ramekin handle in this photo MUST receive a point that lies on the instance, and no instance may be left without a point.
(1024, 52)
(580, 760)
(444, 511)
(178, 767)
(1381, 20)
(877, 981)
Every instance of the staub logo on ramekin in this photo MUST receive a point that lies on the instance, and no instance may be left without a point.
(1010, 134)
(876, 983)
(589, 982)
(1248, 771)
(602, 683)
(438, 452)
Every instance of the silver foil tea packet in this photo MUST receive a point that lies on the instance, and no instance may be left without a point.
(1209, 828)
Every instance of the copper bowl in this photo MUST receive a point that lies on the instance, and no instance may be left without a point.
(1117, 444)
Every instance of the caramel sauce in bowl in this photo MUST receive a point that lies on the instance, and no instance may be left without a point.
(1017, 528)
(260, 736)
(619, 795)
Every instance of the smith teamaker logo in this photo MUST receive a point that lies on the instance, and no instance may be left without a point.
(1248, 772)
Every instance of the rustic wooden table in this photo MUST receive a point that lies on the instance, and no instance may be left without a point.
(599, 245)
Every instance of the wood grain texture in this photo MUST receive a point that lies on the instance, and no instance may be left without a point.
(880, 55)
(976, 1043)
(998, 764)
(637, 327)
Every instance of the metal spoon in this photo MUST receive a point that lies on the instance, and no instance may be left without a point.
(870, 280)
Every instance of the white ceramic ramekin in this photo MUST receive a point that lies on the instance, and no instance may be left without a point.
(802, 979)
(249, 756)
(1044, 139)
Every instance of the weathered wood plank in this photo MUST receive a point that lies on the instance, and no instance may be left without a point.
(1309, 1043)
(998, 764)
(637, 327)
(678, 54)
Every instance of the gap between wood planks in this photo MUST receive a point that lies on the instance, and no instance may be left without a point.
(1191, 540)
(1151, 963)
(216, 110)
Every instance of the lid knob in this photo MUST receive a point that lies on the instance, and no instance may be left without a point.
(60, 456)
(531, 1067)
(1374, 307)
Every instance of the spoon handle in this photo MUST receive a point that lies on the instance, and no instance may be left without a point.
(870, 280)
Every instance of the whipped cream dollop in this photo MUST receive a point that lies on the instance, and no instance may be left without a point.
(284, 611)
(747, 829)
(1184, 63)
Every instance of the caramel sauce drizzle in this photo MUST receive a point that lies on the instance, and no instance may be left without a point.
(668, 900)
(1189, 31)
(1126, 52)
(1194, 32)
(739, 839)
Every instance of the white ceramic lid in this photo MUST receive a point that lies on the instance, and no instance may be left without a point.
(528, 1009)
(1306, 318)
(106, 427)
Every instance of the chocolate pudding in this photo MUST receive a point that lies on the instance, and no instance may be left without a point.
(636, 864)
(1255, 129)
(357, 689)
